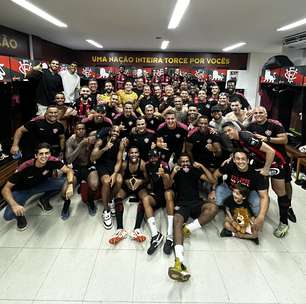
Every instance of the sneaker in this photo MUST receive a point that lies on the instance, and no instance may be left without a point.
(92, 209)
(107, 220)
(155, 242)
(112, 208)
(186, 231)
(256, 241)
(138, 236)
(291, 215)
(45, 205)
(281, 231)
(226, 233)
(179, 272)
(118, 236)
(168, 246)
(65, 214)
(21, 223)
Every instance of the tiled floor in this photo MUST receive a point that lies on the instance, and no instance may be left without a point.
(56, 262)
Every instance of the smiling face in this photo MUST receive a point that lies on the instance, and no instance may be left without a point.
(59, 99)
(170, 120)
(51, 114)
(54, 66)
(133, 155)
(241, 160)
(42, 156)
(140, 125)
(260, 115)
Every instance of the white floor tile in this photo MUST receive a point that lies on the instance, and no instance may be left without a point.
(147, 275)
(69, 276)
(11, 237)
(15, 302)
(243, 279)
(7, 256)
(86, 232)
(300, 259)
(24, 277)
(283, 275)
(57, 302)
(113, 276)
(51, 232)
(206, 284)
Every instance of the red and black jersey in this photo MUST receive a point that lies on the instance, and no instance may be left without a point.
(271, 128)
(199, 140)
(28, 175)
(173, 137)
(251, 145)
(120, 80)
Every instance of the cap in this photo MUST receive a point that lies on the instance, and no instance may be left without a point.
(101, 108)
(215, 109)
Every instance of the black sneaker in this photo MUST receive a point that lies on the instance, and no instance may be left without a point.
(291, 215)
(65, 211)
(92, 209)
(226, 233)
(168, 246)
(256, 241)
(21, 223)
(45, 205)
(155, 242)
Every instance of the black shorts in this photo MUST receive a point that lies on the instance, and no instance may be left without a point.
(160, 201)
(281, 174)
(186, 211)
(130, 192)
(81, 173)
(105, 169)
(287, 169)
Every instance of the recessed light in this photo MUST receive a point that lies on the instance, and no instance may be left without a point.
(234, 46)
(39, 12)
(178, 12)
(292, 25)
(94, 43)
(164, 44)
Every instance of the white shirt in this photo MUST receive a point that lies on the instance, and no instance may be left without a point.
(71, 84)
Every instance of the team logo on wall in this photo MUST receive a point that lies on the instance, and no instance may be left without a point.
(25, 66)
(216, 76)
(269, 77)
(290, 74)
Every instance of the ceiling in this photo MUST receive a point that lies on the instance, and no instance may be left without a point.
(134, 24)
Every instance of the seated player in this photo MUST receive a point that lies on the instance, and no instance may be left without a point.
(133, 181)
(188, 203)
(160, 195)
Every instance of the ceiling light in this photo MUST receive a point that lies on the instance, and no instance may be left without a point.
(178, 12)
(164, 44)
(234, 46)
(292, 25)
(94, 43)
(39, 12)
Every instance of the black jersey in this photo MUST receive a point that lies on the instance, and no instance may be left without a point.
(128, 123)
(173, 137)
(199, 140)
(155, 180)
(110, 155)
(143, 141)
(153, 122)
(271, 128)
(204, 108)
(42, 131)
(127, 174)
(28, 175)
(146, 101)
(187, 186)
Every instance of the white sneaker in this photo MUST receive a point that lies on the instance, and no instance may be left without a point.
(138, 236)
(107, 220)
(112, 208)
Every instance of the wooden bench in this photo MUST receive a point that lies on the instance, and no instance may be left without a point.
(8, 167)
(300, 157)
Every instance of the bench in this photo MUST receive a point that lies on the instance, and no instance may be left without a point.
(300, 157)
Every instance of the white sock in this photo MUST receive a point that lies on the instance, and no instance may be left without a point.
(170, 226)
(195, 225)
(179, 252)
(152, 226)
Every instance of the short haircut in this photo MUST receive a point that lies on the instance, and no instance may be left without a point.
(235, 99)
(43, 145)
(170, 112)
(229, 124)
